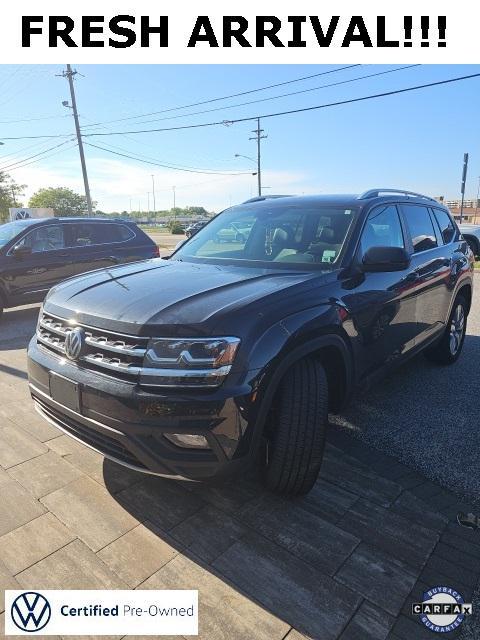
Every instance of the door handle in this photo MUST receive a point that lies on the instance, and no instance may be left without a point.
(113, 259)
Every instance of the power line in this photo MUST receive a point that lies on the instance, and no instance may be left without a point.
(267, 115)
(169, 165)
(233, 95)
(41, 153)
(165, 166)
(144, 156)
(289, 112)
(42, 158)
(283, 95)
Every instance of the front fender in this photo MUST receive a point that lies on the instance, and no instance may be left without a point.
(285, 343)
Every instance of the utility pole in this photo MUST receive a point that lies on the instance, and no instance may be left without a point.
(464, 179)
(174, 202)
(258, 137)
(69, 74)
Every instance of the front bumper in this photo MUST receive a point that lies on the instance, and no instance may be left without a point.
(126, 423)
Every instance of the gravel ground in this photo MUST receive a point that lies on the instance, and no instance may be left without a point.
(428, 416)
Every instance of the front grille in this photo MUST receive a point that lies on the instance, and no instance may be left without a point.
(101, 442)
(113, 353)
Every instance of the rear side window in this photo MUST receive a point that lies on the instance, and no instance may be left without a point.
(420, 226)
(446, 225)
(89, 234)
(382, 229)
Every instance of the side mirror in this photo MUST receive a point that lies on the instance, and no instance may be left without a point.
(21, 250)
(385, 259)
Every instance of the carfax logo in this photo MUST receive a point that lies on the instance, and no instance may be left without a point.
(443, 609)
(31, 611)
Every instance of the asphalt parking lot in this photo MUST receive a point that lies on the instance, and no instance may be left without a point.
(343, 563)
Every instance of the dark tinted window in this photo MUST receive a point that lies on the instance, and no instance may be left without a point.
(421, 227)
(45, 238)
(382, 229)
(445, 224)
(86, 234)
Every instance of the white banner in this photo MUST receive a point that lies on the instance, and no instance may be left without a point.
(214, 31)
(101, 613)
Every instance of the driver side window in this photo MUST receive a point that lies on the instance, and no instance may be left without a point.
(382, 229)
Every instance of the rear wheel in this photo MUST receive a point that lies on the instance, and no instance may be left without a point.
(296, 429)
(448, 349)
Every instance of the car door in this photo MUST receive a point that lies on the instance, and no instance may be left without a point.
(36, 263)
(430, 270)
(380, 303)
(88, 247)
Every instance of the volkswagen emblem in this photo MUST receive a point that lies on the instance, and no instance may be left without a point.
(22, 215)
(74, 343)
(31, 611)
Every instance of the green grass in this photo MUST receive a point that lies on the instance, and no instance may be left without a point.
(155, 229)
(477, 264)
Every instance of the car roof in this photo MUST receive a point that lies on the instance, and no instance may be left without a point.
(71, 219)
(346, 200)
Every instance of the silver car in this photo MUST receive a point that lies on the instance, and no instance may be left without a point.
(471, 233)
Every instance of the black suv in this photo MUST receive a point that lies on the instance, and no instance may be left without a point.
(233, 351)
(36, 254)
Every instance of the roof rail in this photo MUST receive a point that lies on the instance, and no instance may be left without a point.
(269, 197)
(374, 193)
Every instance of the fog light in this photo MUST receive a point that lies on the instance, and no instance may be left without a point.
(187, 440)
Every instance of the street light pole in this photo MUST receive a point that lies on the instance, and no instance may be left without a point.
(476, 203)
(153, 188)
(69, 74)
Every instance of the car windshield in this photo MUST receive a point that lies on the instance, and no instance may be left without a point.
(273, 233)
(9, 230)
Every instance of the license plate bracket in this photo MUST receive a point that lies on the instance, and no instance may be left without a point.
(65, 391)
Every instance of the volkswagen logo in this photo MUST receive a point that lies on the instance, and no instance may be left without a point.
(22, 215)
(74, 343)
(31, 611)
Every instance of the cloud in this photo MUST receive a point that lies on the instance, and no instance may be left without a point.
(115, 182)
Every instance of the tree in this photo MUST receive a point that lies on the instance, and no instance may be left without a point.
(9, 192)
(63, 201)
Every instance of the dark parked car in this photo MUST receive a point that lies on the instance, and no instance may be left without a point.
(193, 367)
(37, 254)
(192, 229)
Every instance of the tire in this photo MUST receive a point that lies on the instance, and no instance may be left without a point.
(449, 347)
(296, 430)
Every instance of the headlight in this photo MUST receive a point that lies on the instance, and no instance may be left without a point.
(188, 362)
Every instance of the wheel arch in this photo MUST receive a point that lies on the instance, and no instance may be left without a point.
(336, 358)
(466, 291)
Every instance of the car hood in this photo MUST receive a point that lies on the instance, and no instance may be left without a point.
(175, 296)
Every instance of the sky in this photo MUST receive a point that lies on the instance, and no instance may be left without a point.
(413, 140)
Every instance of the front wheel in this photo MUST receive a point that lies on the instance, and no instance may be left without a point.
(449, 348)
(296, 429)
